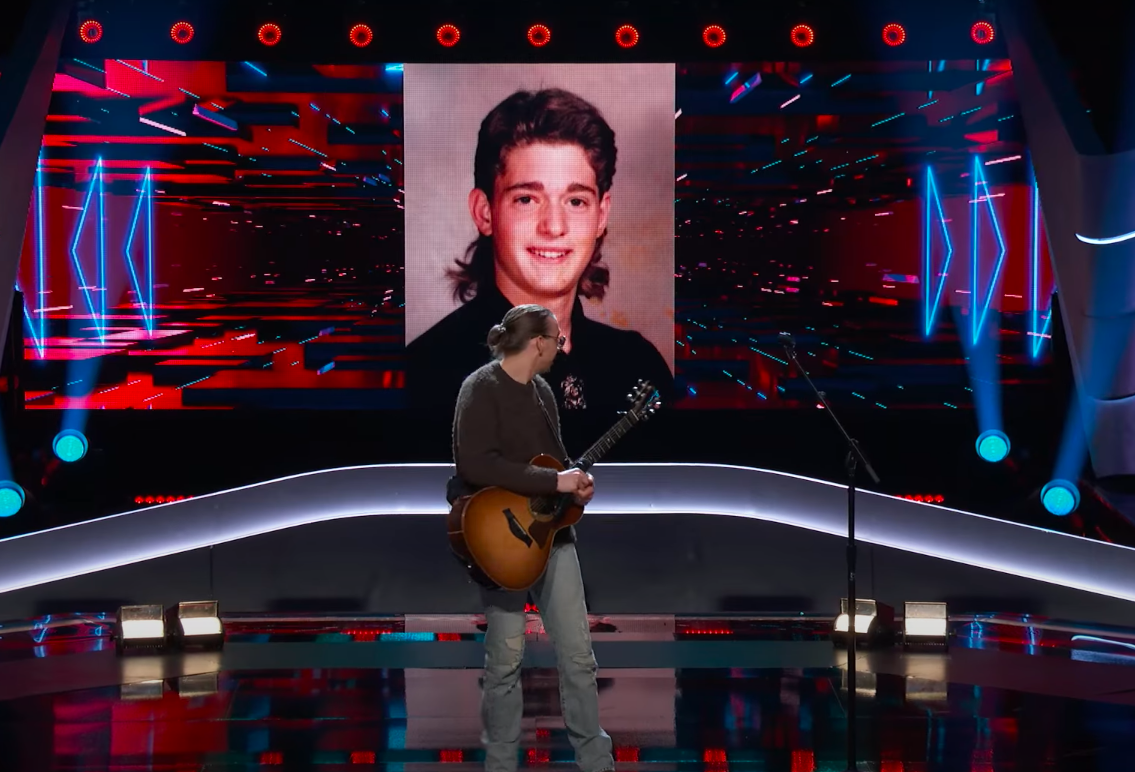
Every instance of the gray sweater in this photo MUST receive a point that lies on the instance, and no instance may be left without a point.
(499, 426)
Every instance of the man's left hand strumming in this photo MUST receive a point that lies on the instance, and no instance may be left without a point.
(583, 493)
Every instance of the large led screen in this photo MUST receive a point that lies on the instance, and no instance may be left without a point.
(225, 235)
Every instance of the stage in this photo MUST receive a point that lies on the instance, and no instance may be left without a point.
(331, 692)
(671, 538)
(354, 638)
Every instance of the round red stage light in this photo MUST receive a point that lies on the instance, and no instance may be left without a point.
(981, 32)
(361, 35)
(539, 35)
(803, 35)
(90, 31)
(713, 35)
(269, 34)
(894, 35)
(448, 35)
(626, 36)
(182, 32)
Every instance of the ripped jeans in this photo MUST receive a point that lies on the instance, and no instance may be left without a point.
(559, 596)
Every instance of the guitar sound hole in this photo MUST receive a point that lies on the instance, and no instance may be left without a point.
(543, 507)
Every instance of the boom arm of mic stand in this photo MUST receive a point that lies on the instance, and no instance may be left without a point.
(853, 445)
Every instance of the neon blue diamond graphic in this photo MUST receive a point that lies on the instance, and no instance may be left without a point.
(933, 284)
(145, 300)
(96, 183)
(981, 300)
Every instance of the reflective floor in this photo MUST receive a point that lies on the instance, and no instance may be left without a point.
(327, 694)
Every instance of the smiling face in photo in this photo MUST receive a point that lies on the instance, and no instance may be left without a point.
(545, 217)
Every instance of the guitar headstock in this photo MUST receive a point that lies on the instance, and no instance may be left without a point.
(645, 401)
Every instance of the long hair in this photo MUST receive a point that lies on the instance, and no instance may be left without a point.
(550, 115)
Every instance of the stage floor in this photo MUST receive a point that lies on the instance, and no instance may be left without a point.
(675, 693)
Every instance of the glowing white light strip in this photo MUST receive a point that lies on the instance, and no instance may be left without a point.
(629, 489)
(200, 626)
(133, 629)
(862, 623)
(923, 626)
(161, 126)
(1105, 242)
(1095, 639)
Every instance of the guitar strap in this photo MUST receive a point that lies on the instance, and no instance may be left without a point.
(551, 424)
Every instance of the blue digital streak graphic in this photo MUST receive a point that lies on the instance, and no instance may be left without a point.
(1038, 331)
(256, 69)
(41, 272)
(307, 147)
(75, 248)
(980, 188)
(1106, 241)
(933, 290)
(37, 341)
(100, 325)
(147, 312)
(150, 247)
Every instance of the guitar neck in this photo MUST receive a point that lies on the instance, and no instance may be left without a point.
(606, 442)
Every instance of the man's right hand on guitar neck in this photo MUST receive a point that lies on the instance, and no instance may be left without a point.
(571, 480)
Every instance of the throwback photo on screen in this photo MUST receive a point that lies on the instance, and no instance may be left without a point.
(548, 184)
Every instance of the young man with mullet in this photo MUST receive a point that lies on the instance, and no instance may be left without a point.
(543, 171)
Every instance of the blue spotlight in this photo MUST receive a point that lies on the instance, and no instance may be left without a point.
(69, 445)
(1060, 497)
(992, 446)
(11, 498)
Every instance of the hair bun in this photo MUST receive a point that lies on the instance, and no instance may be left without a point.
(496, 333)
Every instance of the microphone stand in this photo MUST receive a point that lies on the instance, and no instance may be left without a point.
(854, 458)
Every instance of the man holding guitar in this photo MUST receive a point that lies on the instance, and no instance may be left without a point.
(506, 416)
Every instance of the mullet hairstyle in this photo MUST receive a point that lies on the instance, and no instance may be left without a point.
(553, 116)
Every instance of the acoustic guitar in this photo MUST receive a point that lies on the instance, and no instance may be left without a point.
(504, 539)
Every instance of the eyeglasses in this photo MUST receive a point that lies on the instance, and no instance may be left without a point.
(560, 341)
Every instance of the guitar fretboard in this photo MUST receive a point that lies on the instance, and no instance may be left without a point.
(606, 442)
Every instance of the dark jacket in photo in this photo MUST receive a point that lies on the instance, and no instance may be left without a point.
(604, 365)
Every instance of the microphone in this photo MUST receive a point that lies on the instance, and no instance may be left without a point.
(786, 340)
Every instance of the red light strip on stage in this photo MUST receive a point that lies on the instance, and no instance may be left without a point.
(159, 499)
